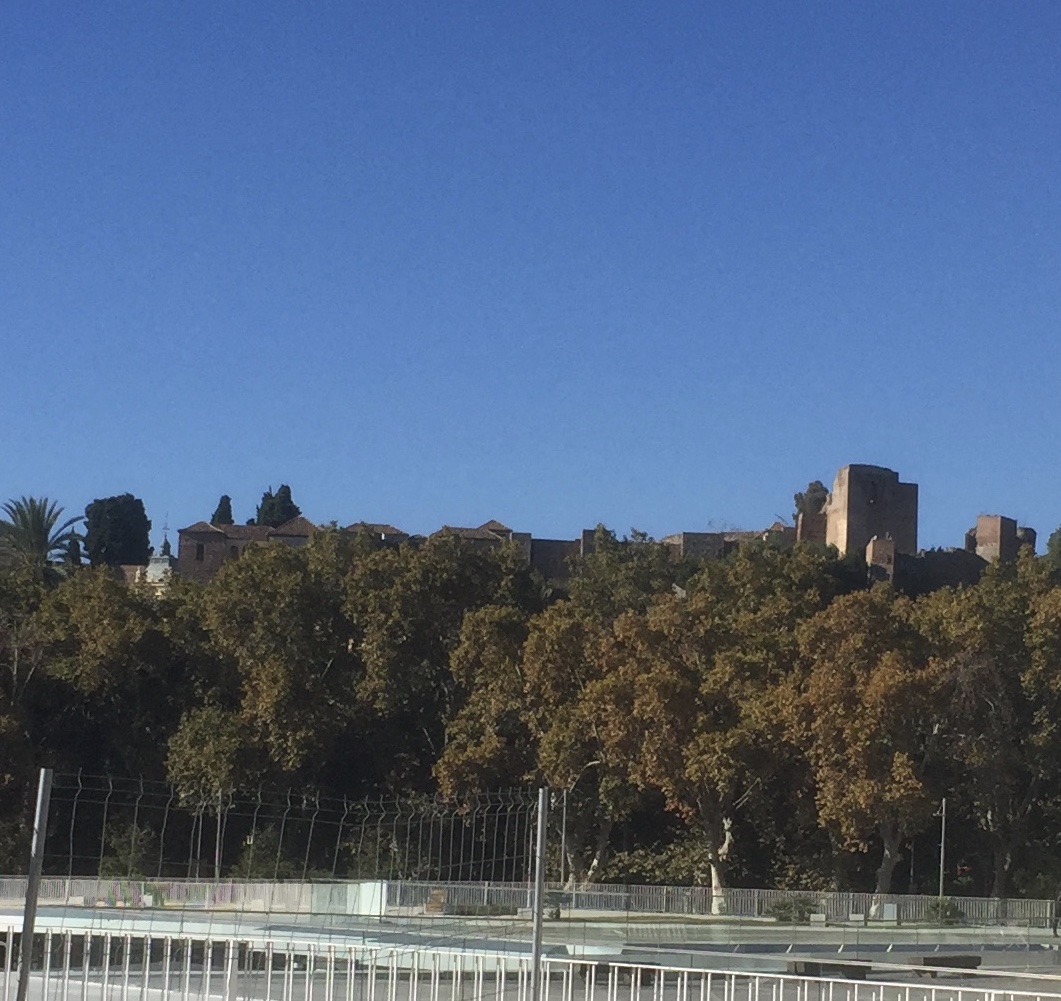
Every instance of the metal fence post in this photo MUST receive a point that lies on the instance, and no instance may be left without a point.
(36, 861)
(539, 896)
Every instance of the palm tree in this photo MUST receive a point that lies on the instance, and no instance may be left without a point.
(32, 533)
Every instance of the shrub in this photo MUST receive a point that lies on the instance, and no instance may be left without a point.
(945, 912)
(793, 910)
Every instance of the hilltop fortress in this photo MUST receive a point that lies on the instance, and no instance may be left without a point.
(870, 512)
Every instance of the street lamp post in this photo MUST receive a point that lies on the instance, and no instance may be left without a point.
(942, 845)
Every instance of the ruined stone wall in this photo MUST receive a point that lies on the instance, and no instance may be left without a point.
(698, 545)
(996, 538)
(550, 557)
(811, 527)
(880, 558)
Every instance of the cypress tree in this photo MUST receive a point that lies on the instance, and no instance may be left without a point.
(223, 514)
(276, 508)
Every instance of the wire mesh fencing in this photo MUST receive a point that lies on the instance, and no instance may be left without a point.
(136, 829)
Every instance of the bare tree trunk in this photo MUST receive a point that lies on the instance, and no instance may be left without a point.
(604, 833)
(584, 860)
(718, 859)
(1003, 862)
(892, 840)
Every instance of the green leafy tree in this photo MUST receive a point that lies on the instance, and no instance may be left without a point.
(1001, 703)
(263, 857)
(812, 500)
(407, 608)
(223, 514)
(620, 574)
(692, 694)
(109, 646)
(868, 718)
(526, 712)
(31, 532)
(131, 851)
(275, 509)
(117, 531)
(22, 675)
(1053, 550)
(213, 752)
(488, 744)
(72, 558)
(570, 681)
(22, 653)
(276, 614)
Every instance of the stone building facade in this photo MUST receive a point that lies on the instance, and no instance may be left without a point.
(870, 512)
(718, 545)
(202, 548)
(550, 557)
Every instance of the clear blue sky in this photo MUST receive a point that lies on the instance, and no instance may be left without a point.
(555, 263)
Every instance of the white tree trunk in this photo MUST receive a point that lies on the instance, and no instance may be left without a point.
(718, 856)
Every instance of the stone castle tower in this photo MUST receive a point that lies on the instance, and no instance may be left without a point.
(870, 501)
(871, 512)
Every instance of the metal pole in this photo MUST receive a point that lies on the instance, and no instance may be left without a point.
(33, 886)
(563, 840)
(942, 845)
(539, 896)
(217, 842)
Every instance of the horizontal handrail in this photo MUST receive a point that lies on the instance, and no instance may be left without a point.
(277, 969)
(486, 899)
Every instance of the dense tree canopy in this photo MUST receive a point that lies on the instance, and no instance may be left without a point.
(223, 512)
(117, 531)
(275, 509)
(812, 500)
(1053, 549)
(765, 719)
(868, 716)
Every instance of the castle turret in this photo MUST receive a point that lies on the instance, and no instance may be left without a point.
(869, 501)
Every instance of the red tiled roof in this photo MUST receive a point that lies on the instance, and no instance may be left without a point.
(297, 526)
(496, 526)
(246, 533)
(203, 526)
(468, 533)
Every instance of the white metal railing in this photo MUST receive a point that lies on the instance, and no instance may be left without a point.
(501, 899)
(79, 964)
(732, 902)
